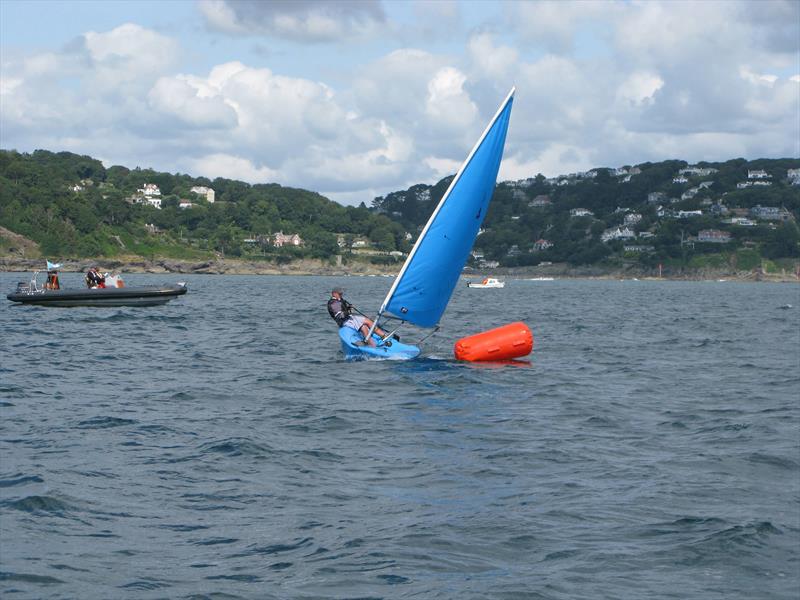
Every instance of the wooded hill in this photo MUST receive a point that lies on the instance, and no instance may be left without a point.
(657, 218)
(72, 206)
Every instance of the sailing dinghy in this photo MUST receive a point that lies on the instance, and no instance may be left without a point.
(422, 289)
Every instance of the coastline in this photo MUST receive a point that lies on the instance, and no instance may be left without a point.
(219, 266)
(224, 266)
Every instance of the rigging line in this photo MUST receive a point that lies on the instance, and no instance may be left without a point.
(392, 318)
(384, 317)
(437, 328)
(375, 323)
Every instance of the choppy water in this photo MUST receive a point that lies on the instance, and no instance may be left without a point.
(219, 447)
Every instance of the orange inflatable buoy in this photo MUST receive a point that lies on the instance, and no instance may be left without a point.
(509, 341)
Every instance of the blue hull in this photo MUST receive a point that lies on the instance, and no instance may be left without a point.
(397, 351)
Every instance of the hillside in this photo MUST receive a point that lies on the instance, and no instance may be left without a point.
(738, 215)
(72, 207)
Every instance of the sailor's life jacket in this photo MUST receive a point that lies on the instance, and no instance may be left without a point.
(339, 310)
(93, 279)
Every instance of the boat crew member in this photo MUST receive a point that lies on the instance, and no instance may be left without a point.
(94, 279)
(52, 281)
(340, 311)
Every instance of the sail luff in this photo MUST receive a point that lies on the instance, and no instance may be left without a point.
(442, 202)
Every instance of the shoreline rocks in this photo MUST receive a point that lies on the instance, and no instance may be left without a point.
(320, 267)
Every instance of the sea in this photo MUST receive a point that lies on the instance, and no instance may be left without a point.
(220, 447)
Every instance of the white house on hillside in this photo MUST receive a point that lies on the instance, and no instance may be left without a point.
(617, 233)
(288, 240)
(699, 171)
(149, 194)
(770, 213)
(204, 191)
(713, 236)
(581, 212)
(632, 218)
(540, 201)
(149, 190)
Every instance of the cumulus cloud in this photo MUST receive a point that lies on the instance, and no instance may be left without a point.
(640, 87)
(442, 167)
(775, 24)
(698, 81)
(276, 128)
(177, 97)
(230, 167)
(93, 86)
(661, 80)
(447, 103)
(128, 53)
(556, 158)
(553, 25)
(490, 59)
(301, 20)
(424, 95)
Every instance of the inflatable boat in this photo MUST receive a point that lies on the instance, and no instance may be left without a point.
(145, 295)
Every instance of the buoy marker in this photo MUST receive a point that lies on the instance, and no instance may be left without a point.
(503, 343)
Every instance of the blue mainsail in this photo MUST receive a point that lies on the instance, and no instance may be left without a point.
(423, 288)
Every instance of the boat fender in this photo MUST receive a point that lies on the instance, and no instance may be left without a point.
(503, 343)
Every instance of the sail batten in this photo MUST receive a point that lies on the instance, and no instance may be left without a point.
(423, 287)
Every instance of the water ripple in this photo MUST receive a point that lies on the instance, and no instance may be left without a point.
(219, 447)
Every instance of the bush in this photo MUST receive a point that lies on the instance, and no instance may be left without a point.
(747, 259)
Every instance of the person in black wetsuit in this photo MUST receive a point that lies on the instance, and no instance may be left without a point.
(340, 311)
(94, 279)
(52, 281)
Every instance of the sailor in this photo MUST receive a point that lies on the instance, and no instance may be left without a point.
(340, 311)
(94, 279)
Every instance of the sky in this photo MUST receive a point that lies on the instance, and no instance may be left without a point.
(358, 98)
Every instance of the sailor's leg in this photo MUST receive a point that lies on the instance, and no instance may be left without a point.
(364, 329)
(378, 330)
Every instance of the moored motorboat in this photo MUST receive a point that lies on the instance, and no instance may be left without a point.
(489, 282)
(144, 295)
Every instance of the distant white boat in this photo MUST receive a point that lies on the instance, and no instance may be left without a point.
(489, 282)
(542, 279)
